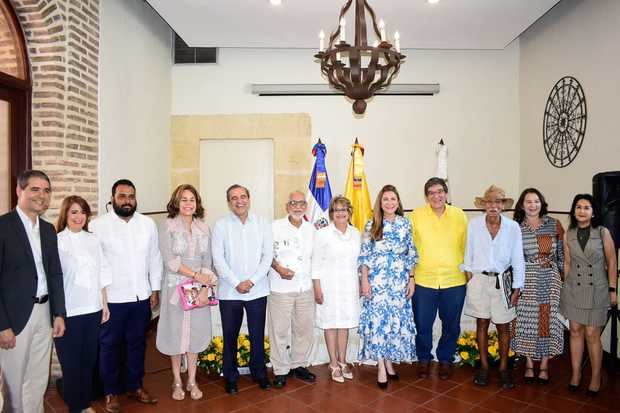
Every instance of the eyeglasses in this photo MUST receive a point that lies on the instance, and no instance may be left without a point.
(438, 192)
(341, 210)
(297, 203)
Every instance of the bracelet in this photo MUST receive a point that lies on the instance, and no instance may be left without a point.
(612, 289)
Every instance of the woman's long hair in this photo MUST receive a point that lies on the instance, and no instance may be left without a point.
(519, 214)
(595, 221)
(61, 222)
(376, 230)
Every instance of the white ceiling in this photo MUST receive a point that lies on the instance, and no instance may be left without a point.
(449, 24)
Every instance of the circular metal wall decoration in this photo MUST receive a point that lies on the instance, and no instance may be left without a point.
(564, 123)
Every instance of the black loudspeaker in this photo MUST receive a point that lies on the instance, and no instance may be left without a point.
(606, 193)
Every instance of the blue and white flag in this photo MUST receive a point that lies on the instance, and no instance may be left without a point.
(319, 191)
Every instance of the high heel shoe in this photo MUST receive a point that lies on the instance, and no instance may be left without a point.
(529, 379)
(346, 371)
(543, 380)
(382, 384)
(591, 393)
(394, 376)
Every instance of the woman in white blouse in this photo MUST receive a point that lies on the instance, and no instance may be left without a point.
(85, 276)
(336, 284)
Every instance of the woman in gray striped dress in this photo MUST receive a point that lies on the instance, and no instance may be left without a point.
(537, 332)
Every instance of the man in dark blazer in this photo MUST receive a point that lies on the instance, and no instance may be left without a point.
(31, 295)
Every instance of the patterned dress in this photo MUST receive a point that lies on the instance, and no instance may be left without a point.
(387, 329)
(182, 331)
(537, 332)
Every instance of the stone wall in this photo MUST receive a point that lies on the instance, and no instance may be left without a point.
(62, 37)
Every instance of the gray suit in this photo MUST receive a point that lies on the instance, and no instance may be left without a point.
(585, 294)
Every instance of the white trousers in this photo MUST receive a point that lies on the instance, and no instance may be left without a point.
(26, 367)
(291, 329)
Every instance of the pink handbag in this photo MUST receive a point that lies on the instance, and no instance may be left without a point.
(188, 292)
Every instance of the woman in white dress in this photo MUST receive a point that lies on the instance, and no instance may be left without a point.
(336, 284)
(185, 244)
(85, 276)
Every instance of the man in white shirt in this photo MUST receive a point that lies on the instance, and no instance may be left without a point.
(242, 247)
(32, 299)
(494, 245)
(130, 245)
(291, 302)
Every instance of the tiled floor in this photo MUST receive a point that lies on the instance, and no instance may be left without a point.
(409, 394)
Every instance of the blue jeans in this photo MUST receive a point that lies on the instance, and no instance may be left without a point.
(449, 302)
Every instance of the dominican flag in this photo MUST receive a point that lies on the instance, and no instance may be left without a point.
(319, 191)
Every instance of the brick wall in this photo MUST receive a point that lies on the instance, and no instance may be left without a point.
(62, 37)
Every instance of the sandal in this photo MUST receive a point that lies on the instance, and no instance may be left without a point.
(346, 371)
(481, 377)
(529, 379)
(194, 392)
(177, 391)
(543, 380)
(336, 374)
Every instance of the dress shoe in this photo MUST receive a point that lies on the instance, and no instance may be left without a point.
(231, 387)
(304, 374)
(142, 396)
(445, 370)
(424, 369)
(506, 379)
(263, 383)
(111, 404)
(279, 381)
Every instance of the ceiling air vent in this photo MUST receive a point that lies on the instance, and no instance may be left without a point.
(185, 54)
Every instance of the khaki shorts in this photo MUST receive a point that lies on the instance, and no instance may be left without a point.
(483, 300)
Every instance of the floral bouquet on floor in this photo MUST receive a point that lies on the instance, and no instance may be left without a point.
(212, 358)
(467, 348)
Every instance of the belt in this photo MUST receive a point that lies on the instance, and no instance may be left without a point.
(493, 274)
(41, 300)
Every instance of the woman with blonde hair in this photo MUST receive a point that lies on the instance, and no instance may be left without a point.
(336, 284)
(85, 277)
(387, 259)
(185, 244)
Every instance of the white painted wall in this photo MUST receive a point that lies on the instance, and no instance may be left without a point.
(476, 112)
(577, 38)
(135, 102)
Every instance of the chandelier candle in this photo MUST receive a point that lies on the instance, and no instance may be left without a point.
(359, 70)
(382, 30)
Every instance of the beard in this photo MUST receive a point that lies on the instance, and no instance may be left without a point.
(124, 210)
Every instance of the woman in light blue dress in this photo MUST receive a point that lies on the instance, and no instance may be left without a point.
(387, 330)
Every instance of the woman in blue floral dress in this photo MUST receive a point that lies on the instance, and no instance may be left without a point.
(387, 257)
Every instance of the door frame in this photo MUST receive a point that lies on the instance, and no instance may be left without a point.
(18, 92)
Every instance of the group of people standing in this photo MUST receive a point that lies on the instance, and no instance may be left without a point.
(98, 281)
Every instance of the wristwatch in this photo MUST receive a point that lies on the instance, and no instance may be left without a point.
(612, 289)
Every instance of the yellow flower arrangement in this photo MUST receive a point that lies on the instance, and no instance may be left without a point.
(467, 348)
(211, 358)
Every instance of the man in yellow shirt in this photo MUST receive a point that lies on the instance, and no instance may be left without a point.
(439, 234)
